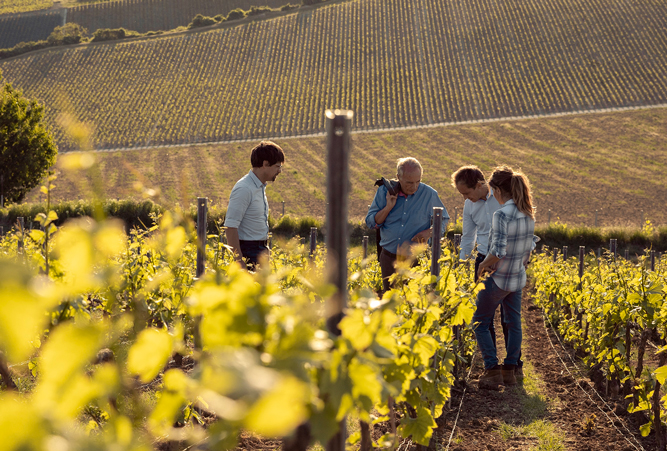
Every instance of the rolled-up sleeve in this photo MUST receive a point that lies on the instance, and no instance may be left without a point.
(239, 200)
(469, 232)
(379, 202)
(498, 235)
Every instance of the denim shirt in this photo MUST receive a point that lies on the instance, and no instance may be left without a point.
(248, 209)
(411, 215)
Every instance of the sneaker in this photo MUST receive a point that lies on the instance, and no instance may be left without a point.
(508, 374)
(492, 378)
(518, 373)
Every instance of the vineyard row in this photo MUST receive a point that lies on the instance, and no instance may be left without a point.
(395, 63)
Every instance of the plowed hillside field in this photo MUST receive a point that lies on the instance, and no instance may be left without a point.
(394, 62)
(614, 163)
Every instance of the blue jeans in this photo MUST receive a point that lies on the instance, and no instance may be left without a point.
(487, 301)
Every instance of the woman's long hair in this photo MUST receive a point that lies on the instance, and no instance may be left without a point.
(516, 184)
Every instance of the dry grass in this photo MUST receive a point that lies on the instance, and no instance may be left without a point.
(614, 163)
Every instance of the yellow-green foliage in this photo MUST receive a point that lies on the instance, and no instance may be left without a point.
(266, 361)
(601, 312)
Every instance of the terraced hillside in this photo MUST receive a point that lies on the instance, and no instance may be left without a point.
(20, 6)
(614, 163)
(28, 27)
(137, 15)
(153, 15)
(394, 62)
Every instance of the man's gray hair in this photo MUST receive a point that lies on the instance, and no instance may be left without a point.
(407, 164)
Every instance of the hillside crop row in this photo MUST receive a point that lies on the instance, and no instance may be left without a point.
(574, 164)
(137, 15)
(153, 15)
(29, 27)
(18, 6)
(395, 63)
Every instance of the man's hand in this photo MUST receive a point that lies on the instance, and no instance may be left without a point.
(391, 200)
(241, 262)
(381, 215)
(423, 236)
(233, 241)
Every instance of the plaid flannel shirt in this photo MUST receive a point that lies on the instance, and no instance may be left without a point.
(511, 239)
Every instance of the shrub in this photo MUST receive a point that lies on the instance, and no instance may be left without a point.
(256, 10)
(109, 34)
(288, 7)
(219, 18)
(23, 47)
(236, 14)
(68, 34)
(201, 21)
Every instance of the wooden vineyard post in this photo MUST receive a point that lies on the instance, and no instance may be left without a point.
(582, 253)
(202, 204)
(283, 208)
(652, 260)
(435, 271)
(564, 253)
(555, 254)
(627, 254)
(549, 217)
(202, 210)
(435, 241)
(612, 247)
(338, 125)
(364, 245)
(21, 226)
(313, 241)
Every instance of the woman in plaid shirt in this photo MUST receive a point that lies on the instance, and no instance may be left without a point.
(510, 244)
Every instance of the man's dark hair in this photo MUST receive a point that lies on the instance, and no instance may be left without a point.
(469, 175)
(266, 151)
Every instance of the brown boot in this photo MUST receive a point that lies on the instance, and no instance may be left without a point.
(508, 374)
(491, 378)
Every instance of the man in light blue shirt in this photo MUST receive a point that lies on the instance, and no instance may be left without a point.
(404, 218)
(247, 218)
(478, 209)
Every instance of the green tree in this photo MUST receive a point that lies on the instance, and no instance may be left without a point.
(27, 148)
(70, 33)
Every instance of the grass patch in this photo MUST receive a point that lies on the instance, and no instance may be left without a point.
(534, 407)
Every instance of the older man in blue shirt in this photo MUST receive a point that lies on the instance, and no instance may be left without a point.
(405, 217)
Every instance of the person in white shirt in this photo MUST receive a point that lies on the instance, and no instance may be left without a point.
(478, 209)
(247, 218)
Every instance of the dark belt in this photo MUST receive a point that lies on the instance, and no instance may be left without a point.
(262, 242)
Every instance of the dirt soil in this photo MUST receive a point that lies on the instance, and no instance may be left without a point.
(568, 402)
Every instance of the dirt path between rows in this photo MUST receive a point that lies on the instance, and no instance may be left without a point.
(556, 407)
